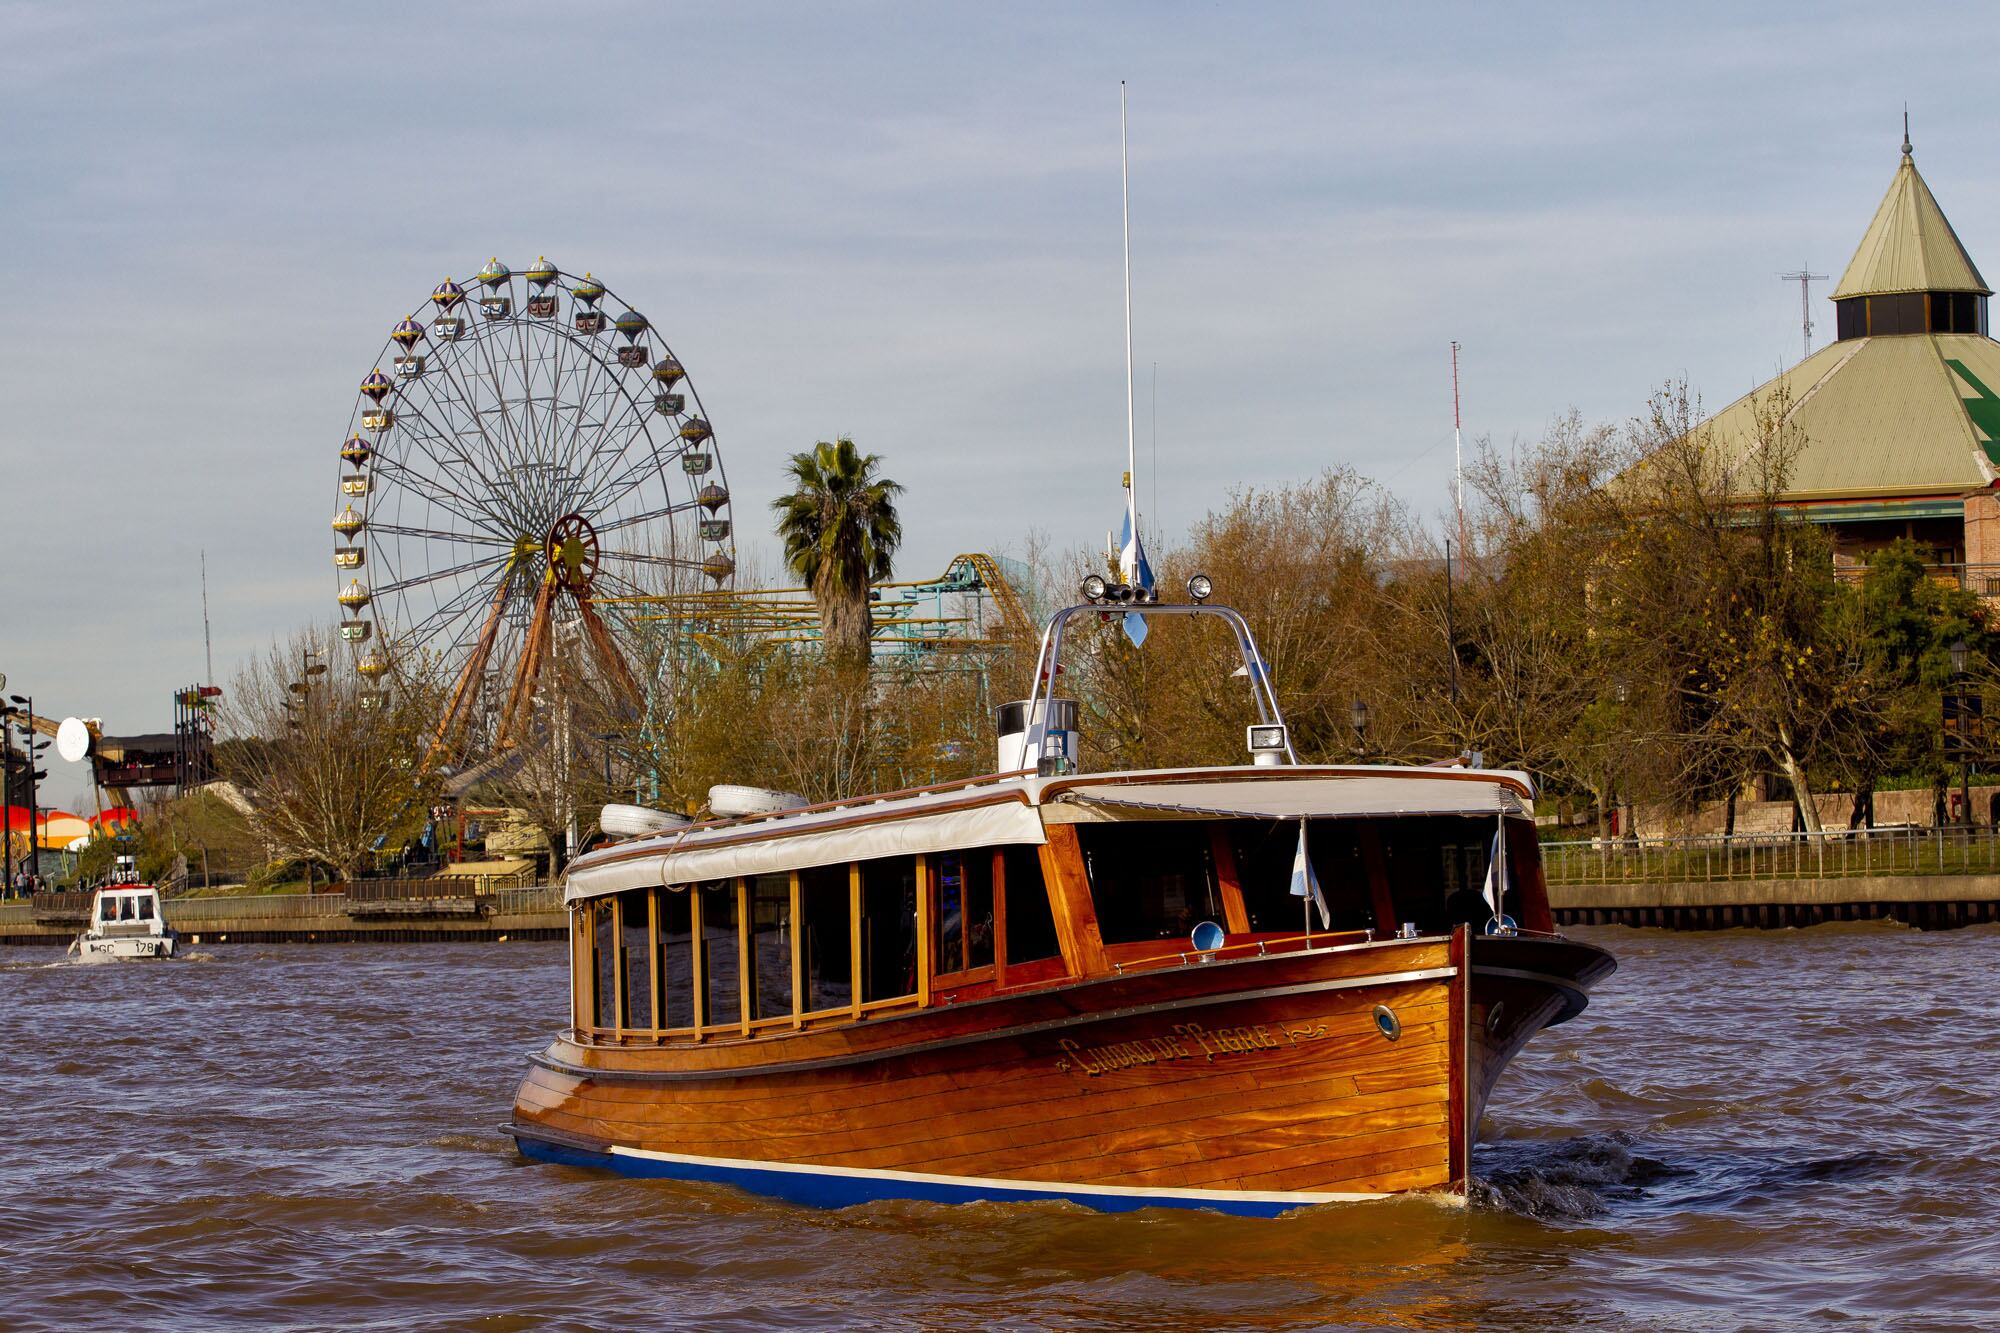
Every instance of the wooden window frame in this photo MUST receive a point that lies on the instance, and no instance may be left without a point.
(786, 1020)
(739, 1025)
(803, 1017)
(965, 974)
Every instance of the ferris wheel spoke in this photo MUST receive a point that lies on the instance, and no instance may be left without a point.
(456, 460)
(440, 535)
(432, 489)
(613, 444)
(665, 511)
(419, 580)
(642, 469)
(648, 558)
(458, 606)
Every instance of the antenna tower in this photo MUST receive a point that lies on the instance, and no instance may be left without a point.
(1457, 451)
(207, 642)
(1805, 278)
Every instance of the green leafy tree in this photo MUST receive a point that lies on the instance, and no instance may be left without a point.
(841, 531)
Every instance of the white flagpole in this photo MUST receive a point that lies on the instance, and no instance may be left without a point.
(1131, 432)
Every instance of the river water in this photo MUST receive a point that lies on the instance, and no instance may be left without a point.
(1788, 1129)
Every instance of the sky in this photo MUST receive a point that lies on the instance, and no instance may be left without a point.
(899, 222)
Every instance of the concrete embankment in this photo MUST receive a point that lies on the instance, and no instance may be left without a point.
(326, 918)
(1928, 901)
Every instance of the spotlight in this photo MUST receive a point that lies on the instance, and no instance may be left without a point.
(1200, 589)
(1093, 588)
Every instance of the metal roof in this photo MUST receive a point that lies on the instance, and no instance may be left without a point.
(1909, 246)
(1906, 415)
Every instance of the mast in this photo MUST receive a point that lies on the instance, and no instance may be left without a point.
(1131, 431)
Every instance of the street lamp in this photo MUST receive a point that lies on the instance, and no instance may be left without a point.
(1358, 716)
(1962, 732)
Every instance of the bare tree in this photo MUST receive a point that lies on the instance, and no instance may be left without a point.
(331, 763)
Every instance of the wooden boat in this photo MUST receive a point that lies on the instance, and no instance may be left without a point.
(1099, 987)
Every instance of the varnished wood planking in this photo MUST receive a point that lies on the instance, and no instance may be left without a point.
(1155, 1127)
(999, 1077)
(1344, 1111)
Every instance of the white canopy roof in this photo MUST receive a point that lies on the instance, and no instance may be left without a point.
(796, 842)
(1401, 793)
(1011, 811)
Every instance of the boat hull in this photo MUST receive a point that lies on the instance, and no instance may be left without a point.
(124, 949)
(1250, 1086)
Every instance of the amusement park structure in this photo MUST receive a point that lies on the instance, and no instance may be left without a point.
(524, 452)
(976, 602)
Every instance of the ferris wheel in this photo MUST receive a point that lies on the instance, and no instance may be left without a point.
(524, 446)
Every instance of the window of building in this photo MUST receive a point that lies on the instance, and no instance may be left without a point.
(1150, 881)
(1851, 317)
(635, 928)
(1958, 312)
(963, 916)
(1901, 312)
(888, 928)
(1031, 926)
(721, 969)
(825, 933)
(771, 946)
(673, 957)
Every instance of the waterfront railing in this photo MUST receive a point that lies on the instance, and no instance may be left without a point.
(1830, 854)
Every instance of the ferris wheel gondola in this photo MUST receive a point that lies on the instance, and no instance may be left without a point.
(506, 474)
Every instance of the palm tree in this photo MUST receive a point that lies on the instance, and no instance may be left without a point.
(841, 531)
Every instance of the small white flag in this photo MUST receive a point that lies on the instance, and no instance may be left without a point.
(1305, 884)
(1495, 891)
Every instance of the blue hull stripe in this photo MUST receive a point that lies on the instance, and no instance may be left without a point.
(841, 1187)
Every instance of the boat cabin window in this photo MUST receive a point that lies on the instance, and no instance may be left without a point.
(673, 956)
(1150, 880)
(604, 969)
(635, 928)
(826, 932)
(771, 946)
(1375, 873)
(107, 909)
(1030, 934)
(721, 958)
(962, 918)
(888, 928)
(145, 906)
(783, 949)
(1264, 851)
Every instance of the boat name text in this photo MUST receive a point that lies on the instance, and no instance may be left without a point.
(1184, 1042)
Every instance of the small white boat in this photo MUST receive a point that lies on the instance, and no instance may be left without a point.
(125, 922)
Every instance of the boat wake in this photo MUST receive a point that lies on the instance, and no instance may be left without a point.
(1568, 1179)
(1572, 1179)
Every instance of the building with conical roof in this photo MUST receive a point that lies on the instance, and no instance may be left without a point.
(1898, 420)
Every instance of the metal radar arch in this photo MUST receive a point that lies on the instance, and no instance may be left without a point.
(525, 447)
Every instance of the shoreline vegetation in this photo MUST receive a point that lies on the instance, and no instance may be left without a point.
(1634, 619)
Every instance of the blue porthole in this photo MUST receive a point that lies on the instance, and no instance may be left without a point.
(1387, 1023)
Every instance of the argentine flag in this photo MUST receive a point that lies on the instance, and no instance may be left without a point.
(1133, 570)
(1305, 884)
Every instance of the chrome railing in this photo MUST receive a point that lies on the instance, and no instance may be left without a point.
(1831, 854)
